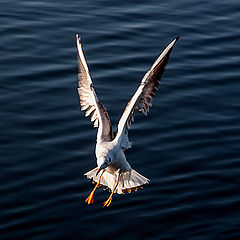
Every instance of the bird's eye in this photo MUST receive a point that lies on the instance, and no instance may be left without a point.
(110, 160)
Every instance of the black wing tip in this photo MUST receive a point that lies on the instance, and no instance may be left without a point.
(175, 39)
(78, 38)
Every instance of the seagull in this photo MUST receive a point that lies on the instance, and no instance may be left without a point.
(113, 171)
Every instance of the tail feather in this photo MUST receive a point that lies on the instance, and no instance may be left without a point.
(128, 180)
(91, 174)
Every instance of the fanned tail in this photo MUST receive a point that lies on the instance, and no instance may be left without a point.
(128, 181)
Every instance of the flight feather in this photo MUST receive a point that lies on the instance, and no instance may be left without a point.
(89, 101)
(142, 99)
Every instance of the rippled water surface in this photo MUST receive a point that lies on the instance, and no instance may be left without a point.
(189, 145)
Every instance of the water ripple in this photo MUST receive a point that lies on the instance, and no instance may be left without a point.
(188, 145)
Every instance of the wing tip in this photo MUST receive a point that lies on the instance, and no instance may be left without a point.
(78, 39)
(175, 39)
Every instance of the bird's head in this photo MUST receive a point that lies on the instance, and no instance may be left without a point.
(103, 162)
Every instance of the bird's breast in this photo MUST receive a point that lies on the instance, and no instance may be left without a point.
(120, 162)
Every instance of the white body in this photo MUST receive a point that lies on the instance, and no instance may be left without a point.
(115, 153)
(129, 178)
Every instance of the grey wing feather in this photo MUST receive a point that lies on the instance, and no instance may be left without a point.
(142, 99)
(89, 101)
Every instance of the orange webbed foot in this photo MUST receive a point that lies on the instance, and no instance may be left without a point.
(108, 202)
(90, 199)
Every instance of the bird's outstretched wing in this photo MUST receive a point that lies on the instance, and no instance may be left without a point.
(89, 101)
(142, 99)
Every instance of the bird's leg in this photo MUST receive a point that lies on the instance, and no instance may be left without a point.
(108, 202)
(90, 198)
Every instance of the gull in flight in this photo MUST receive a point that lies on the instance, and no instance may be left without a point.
(113, 170)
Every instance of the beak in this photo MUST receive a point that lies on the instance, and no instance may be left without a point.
(101, 168)
(98, 171)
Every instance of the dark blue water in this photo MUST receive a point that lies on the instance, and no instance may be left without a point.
(189, 145)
